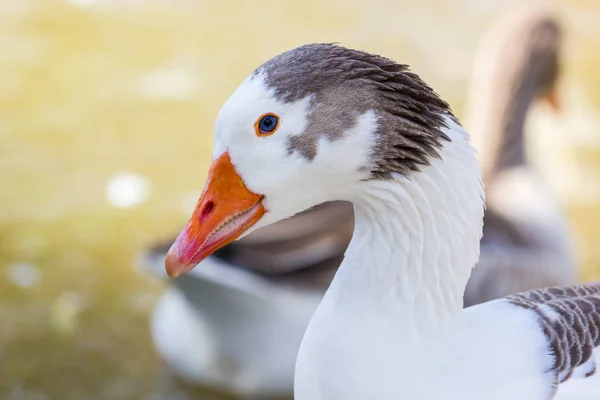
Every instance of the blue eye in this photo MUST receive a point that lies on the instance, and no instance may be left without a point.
(266, 124)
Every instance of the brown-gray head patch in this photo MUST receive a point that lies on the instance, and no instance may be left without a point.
(345, 84)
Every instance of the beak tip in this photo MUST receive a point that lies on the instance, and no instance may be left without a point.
(173, 275)
(173, 267)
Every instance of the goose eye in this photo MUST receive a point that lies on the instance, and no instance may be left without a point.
(266, 125)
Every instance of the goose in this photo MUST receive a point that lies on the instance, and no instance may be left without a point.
(526, 240)
(323, 122)
(197, 325)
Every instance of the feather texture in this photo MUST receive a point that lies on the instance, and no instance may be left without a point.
(570, 319)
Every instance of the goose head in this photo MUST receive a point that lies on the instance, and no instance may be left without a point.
(310, 125)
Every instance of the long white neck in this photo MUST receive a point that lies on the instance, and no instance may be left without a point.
(416, 239)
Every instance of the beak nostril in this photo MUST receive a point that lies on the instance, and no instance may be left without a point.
(207, 209)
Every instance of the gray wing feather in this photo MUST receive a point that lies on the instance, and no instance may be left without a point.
(570, 319)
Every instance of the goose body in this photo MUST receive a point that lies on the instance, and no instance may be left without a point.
(213, 328)
(524, 245)
(322, 123)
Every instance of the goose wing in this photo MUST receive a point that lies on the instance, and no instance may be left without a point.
(570, 319)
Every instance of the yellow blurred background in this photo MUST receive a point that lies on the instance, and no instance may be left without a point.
(106, 116)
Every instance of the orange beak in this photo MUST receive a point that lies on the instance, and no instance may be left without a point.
(553, 100)
(225, 210)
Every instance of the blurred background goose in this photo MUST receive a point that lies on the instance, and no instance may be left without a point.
(236, 321)
(526, 242)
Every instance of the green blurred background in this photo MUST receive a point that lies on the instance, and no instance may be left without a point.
(106, 116)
